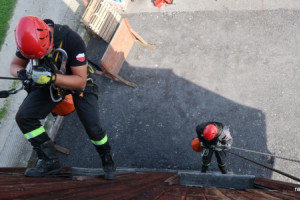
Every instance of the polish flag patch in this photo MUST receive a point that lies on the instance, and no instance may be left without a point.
(80, 57)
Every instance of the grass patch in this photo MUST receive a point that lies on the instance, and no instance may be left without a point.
(4, 109)
(14, 84)
(6, 12)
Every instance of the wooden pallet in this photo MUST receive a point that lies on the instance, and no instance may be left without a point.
(116, 53)
(88, 14)
(101, 19)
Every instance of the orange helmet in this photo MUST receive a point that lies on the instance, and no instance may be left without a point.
(196, 145)
(33, 37)
(210, 132)
(65, 107)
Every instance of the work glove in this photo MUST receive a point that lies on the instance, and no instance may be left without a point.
(26, 79)
(222, 145)
(22, 75)
(225, 147)
(218, 148)
(43, 77)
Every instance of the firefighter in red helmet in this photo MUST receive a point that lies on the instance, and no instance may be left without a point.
(37, 42)
(214, 138)
(33, 37)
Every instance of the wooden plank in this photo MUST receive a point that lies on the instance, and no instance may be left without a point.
(173, 180)
(112, 20)
(20, 170)
(113, 27)
(93, 9)
(118, 49)
(89, 11)
(284, 195)
(274, 184)
(264, 194)
(214, 193)
(196, 193)
(290, 193)
(175, 192)
(138, 38)
(234, 194)
(107, 32)
(93, 18)
(108, 20)
(85, 2)
(251, 195)
(115, 77)
(62, 149)
(56, 126)
(100, 17)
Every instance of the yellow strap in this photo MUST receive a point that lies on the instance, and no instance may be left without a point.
(56, 57)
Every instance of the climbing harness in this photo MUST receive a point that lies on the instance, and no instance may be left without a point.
(6, 93)
(61, 70)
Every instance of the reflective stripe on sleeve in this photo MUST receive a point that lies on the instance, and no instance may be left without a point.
(35, 133)
(223, 165)
(100, 142)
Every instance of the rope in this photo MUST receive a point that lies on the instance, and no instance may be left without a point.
(12, 78)
(270, 168)
(280, 157)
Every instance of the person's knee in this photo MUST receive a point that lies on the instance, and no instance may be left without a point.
(20, 118)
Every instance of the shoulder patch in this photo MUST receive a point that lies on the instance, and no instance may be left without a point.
(80, 57)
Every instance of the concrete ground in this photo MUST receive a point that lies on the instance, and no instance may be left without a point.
(230, 61)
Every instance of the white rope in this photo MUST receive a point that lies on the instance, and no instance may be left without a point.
(267, 154)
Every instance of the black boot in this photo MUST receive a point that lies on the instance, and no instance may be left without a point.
(47, 164)
(223, 170)
(204, 169)
(107, 161)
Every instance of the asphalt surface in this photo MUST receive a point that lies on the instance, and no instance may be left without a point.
(239, 67)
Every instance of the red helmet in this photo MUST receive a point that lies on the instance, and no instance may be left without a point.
(33, 37)
(210, 132)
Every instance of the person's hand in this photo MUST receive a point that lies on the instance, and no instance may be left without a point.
(43, 77)
(228, 147)
(22, 75)
(225, 147)
(26, 80)
(218, 148)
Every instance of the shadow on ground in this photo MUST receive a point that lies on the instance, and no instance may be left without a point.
(152, 126)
